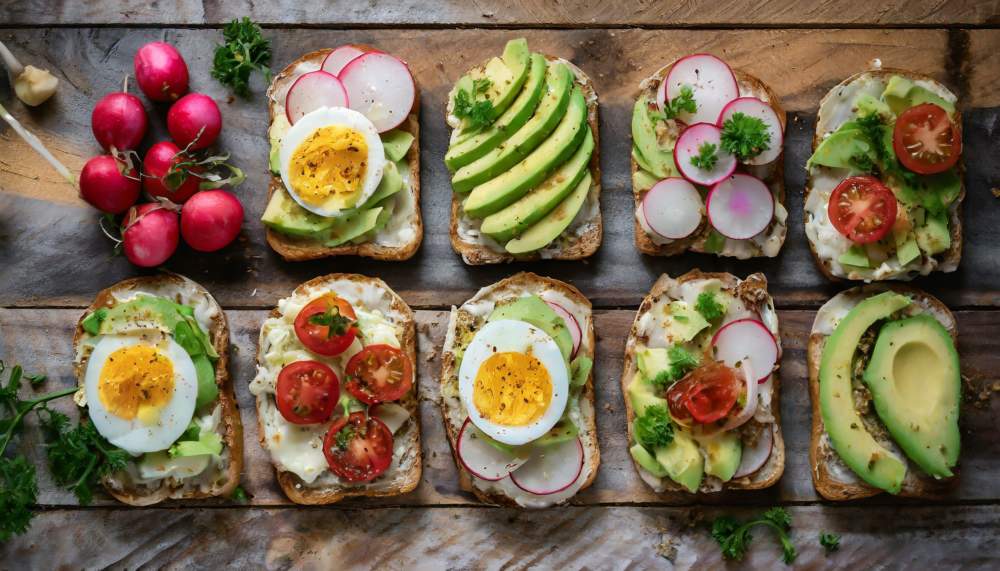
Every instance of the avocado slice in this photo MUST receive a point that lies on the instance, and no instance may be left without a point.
(208, 390)
(549, 228)
(855, 256)
(506, 74)
(934, 237)
(533, 309)
(901, 93)
(351, 226)
(837, 149)
(286, 216)
(279, 126)
(643, 181)
(682, 460)
(907, 249)
(685, 322)
(934, 192)
(563, 430)
(391, 183)
(396, 144)
(643, 458)
(652, 157)
(642, 395)
(652, 360)
(723, 452)
(916, 386)
(871, 461)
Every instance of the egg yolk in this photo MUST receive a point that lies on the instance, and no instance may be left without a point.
(328, 168)
(136, 381)
(512, 389)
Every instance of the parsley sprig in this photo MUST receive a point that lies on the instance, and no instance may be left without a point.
(706, 157)
(654, 429)
(734, 538)
(708, 306)
(245, 51)
(78, 456)
(829, 541)
(681, 361)
(477, 112)
(674, 107)
(335, 323)
(745, 136)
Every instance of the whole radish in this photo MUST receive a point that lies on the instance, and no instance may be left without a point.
(211, 220)
(161, 161)
(150, 235)
(119, 121)
(109, 185)
(161, 71)
(194, 119)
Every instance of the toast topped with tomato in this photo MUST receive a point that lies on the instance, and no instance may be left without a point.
(337, 392)
(884, 190)
(701, 385)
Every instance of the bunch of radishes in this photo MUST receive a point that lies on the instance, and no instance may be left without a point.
(172, 174)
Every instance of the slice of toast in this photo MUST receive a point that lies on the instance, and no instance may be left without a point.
(475, 311)
(579, 241)
(404, 474)
(753, 292)
(949, 259)
(772, 173)
(294, 249)
(831, 477)
(185, 291)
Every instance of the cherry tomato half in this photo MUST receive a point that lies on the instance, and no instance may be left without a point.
(862, 208)
(307, 392)
(326, 325)
(379, 373)
(706, 394)
(925, 139)
(358, 447)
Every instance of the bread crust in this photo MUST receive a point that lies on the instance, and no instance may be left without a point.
(233, 437)
(294, 249)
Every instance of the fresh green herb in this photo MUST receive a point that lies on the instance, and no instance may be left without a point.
(829, 541)
(745, 136)
(878, 135)
(78, 456)
(734, 538)
(477, 113)
(481, 85)
(345, 436)
(706, 157)
(239, 495)
(674, 107)
(654, 429)
(708, 306)
(245, 51)
(715, 241)
(335, 323)
(35, 380)
(681, 361)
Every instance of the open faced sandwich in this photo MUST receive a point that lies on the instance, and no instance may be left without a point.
(707, 152)
(345, 157)
(524, 159)
(700, 385)
(337, 393)
(884, 193)
(886, 389)
(517, 392)
(151, 360)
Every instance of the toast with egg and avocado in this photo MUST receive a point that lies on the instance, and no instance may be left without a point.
(892, 139)
(359, 159)
(715, 336)
(152, 358)
(886, 389)
(524, 156)
(702, 130)
(517, 392)
(336, 391)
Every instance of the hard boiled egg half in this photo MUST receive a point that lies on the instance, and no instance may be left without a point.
(331, 160)
(513, 381)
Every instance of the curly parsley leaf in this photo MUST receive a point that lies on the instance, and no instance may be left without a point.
(681, 362)
(245, 51)
(78, 457)
(829, 541)
(481, 85)
(477, 113)
(335, 323)
(708, 306)
(745, 136)
(706, 157)
(684, 102)
(654, 429)
(734, 538)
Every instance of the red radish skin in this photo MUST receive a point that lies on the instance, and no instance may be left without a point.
(551, 469)
(747, 339)
(106, 188)
(158, 161)
(574, 326)
(381, 88)
(754, 107)
(312, 91)
(712, 81)
(740, 207)
(689, 145)
(481, 459)
(153, 237)
(336, 60)
(210, 220)
(194, 120)
(161, 72)
(672, 208)
(119, 121)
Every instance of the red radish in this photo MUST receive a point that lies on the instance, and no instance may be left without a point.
(753, 107)
(672, 208)
(483, 460)
(749, 397)
(150, 234)
(161, 71)
(109, 185)
(754, 457)
(571, 323)
(711, 80)
(336, 60)
(118, 121)
(689, 145)
(210, 220)
(740, 207)
(159, 160)
(380, 87)
(194, 120)
(747, 340)
(550, 469)
(314, 90)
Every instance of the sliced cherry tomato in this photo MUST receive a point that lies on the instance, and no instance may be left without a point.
(379, 373)
(706, 394)
(307, 392)
(358, 447)
(326, 325)
(925, 139)
(862, 208)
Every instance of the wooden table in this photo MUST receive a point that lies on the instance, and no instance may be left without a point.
(54, 259)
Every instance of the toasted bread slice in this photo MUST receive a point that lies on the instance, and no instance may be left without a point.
(753, 293)
(185, 291)
(833, 479)
(946, 261)
(580, 240)
(772, 174)
(404, 473)
(474, 311)
(382, 247)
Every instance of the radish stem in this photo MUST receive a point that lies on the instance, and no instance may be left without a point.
(13, 66)
(37, 145)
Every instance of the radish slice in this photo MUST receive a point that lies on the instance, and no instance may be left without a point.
(550, 469)
(380, 87)
(754, 107)
(689, 146)
(748, 410)
(340, 57)
(483, 460)
(755, 457)
(740, 207)
(571, 323)
(746, 340)
(672, 208)
(314, 90)
(711, 80)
